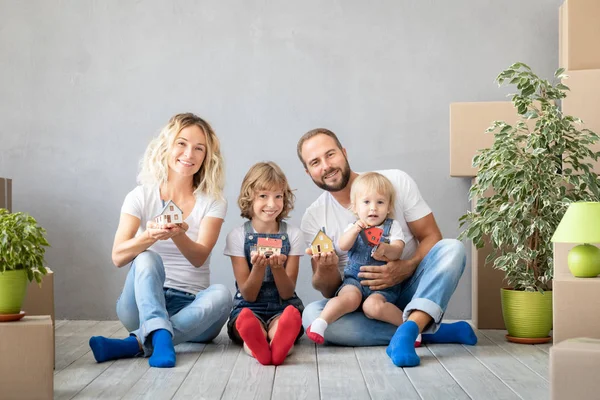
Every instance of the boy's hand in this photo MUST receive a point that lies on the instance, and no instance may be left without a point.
(258, 260)
(277, 261)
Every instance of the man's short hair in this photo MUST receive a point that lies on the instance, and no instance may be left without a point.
(312, 133)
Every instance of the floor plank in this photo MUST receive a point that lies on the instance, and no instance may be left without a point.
(522, 380)
(297, 378)
(383, 379)
(75, 377)
(69, 348)
(209, 376)
(340, 376)
(249, 380)
(432, 381)
(528, 354)
(59, 322)
(475, 379)
(162, 383)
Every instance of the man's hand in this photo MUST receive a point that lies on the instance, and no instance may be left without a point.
(324, 260)
(277, 261)
(378, 277)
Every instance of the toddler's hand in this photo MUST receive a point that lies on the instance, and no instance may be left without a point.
(379, 253)
(360, 225)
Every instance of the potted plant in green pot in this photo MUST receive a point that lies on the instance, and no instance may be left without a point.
(524, 185)
(22, 247)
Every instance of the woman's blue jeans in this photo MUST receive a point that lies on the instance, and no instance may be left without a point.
(145, 306)
(428, 290)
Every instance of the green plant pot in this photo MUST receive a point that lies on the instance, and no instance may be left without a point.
(527, 314)
(13, 287)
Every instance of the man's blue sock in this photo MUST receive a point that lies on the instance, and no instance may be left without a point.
(105, 349)
(402, 346)
(456, 332)
(164, 352)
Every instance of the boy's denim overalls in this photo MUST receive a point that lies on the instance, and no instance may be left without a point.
(359, 255)
(268, 303)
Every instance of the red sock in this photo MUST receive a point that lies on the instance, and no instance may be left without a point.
(315, 337)
(287, 332)
(251, 332)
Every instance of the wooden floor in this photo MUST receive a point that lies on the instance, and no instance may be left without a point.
(493, 369)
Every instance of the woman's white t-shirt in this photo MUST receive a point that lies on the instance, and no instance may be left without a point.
(234, 244)
(144, 203)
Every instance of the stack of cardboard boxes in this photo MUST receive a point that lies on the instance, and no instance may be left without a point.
(575, 356)
(27, 346)
(468, 122)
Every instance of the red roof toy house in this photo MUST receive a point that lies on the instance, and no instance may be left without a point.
(372, 235)
(269, 246)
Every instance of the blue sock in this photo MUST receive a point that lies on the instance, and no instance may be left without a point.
(402, 346)
(456, 332)
(164, 352)
(105, 349)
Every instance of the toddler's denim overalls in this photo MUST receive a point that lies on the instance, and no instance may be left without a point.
(359, 255)
(268, 303)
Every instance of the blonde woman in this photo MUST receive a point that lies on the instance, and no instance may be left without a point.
(167, 298)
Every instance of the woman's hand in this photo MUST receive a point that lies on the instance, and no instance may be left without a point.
(277, 261)
(164, 232)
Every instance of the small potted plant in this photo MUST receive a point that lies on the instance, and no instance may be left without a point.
(22, 247)
(524, 185)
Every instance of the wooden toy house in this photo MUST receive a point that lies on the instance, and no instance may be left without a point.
(268, 246)
(322, 243)
(169, 214)
(372, 235)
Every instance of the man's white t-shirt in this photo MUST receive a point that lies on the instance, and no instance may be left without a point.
(144, 203)
(327, 213)
(234, 244)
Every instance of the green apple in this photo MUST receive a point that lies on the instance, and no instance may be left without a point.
(584, 261)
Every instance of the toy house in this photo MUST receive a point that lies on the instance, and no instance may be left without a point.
(268, 246)
(372, 236)
(322, 243)
(169, 214)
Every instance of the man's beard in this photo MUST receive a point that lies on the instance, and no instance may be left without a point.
(345, 171)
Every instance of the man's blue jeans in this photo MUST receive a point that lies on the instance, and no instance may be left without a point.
(145, 306)
(428, 290)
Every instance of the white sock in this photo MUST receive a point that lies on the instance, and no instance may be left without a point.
(318, 326)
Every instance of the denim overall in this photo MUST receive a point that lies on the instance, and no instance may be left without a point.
(268, 303)
(359, 255)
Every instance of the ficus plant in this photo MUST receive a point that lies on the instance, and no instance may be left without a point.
(22, 244)
(527, 179)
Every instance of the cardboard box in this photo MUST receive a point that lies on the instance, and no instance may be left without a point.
(574, 366)
(26, 369)
(579, 34)
(6, 193)
(468, 122)
(576, 307)
(40, 300)
(583, 99)
(486, 282)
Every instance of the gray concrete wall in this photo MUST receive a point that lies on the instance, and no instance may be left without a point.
(84, 85)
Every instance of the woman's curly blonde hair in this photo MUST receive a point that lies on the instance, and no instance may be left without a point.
(265, 176)
(154, 169)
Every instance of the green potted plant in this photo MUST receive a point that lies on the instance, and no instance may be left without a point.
(524, 185)
(22, 247)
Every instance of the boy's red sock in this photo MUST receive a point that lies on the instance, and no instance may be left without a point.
(251, 332)
(288, 328)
